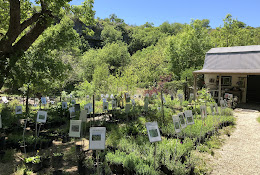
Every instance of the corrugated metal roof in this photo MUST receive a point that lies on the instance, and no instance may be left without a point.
(252, 48)
(233, 60)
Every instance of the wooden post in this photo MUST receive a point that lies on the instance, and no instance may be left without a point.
(195, 86)
(93, 108)
(219, 89)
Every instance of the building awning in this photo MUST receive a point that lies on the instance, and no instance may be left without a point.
(232, 60)
(228, 71)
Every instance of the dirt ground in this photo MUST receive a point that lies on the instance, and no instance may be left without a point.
(241, 152)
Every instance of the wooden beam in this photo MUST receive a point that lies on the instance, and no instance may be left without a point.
(219, 88)
(195, 86)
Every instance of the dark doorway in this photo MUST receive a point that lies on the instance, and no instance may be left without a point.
(253, 89)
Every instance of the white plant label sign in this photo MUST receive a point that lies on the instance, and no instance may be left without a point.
(163, 99)
(18, 110)
(203, 111)
(107, 96)
(83, 115)
(41, 116)
(64, 105)
(153, 132)
(191, 96)
(222, 103)
(133, 102)
(189, 117)
(72, 112)
(182, 120)
(112, 96)
(1, 122)
(43, 100)
(113, 104)
(102, 95)
(216, 109)
(127, 108)
(105, 106)
(5, 100)
(176, 123)
(75, 128)
(97, 138)
(88, 107)
(212, 109)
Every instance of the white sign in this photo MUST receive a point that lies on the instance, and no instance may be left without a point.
(75, 128)
(212, 109)
(64, 105)
(163, 99)
(182, 120)
(83, 115)
(176, 123)
(127, 108)
(97, 138)
(88, 107)
(41, 116)
(216, 109)
(5, 100)
(203, 111)
(191, 96)
(102, 95)
(180, 96)
(105, 106)
(133, 102)
(1, 122)
(189, 117)
(43, 100)
(230, 96)
(113, 104)
(18, 110)
(112, 96)
(72, 112)
(107, 96)
(153, 132)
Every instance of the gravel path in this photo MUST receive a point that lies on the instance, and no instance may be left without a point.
(240, 155)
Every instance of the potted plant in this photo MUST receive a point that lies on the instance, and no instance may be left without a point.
(33, 163)
(57, 160)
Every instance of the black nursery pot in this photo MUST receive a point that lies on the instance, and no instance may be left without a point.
(57, 161)
(46, 162)
(2, 143)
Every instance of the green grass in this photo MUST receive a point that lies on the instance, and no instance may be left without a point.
(258, 119)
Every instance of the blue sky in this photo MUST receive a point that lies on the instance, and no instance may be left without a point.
(138, 12)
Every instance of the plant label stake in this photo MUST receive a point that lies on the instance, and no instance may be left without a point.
(189, 118)
(203, 111)
(41, 118)
(105, 109)
(24, 128)
(0, 121)
(177, 127)
(154, 135)
(97, 141)
(72, 112)
(75, 128)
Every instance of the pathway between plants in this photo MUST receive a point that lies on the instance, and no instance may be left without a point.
(241, 152)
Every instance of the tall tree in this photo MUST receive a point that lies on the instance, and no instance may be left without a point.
(24, 25)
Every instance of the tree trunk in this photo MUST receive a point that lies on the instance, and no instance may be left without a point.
(27, 100)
